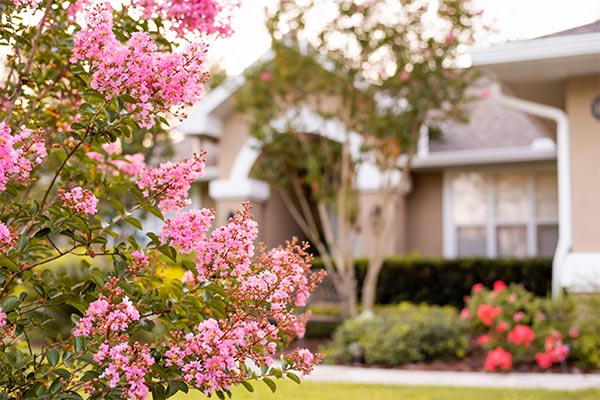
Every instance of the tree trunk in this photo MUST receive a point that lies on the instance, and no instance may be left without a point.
(369, 287)
(349, 297)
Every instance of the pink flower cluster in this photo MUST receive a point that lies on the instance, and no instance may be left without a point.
(230, 249)
(8, 240)
(187, 230)
(204, 16)
(554, 351)
(170, 182)
(209, 358)
(19, 153)
(124, 361)
(103, 317)
(498, 358)
(79, 200)
(158, 80)
(303, 360)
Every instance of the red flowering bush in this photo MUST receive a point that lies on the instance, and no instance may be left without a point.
(516, 327)
(84, 79)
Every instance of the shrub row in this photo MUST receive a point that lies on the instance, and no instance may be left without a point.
(400, 334)
(440, 281)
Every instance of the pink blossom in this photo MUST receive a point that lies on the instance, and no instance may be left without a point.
(519, 316)
(478, 287)
(404, 76)
(159, 81)
(19, 153)
(302, 360)
(170, 182)
(205, 16)
(498, 358)
(485, 93)
(79, 200)
(488, 313)
(521, 335)
(133, 164)
(465, 314)
(187, 230)
(544, 360)
(265, 76)
(574, 333)
(8, 240)
(188, 278)
(103, 317)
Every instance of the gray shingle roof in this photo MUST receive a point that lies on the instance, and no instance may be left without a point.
(490, 126)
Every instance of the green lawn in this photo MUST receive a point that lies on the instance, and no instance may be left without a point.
(341, 391)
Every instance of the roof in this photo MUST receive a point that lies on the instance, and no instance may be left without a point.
(491, 126)
(593, 27)
(575, 51)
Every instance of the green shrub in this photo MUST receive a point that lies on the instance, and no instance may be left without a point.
(442, 282)
(400, 334)
(586, 348)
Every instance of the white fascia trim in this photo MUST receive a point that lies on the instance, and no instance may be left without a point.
(565, 232)
(243, 189)
(539, 49)
(482, 156)
(580, 272)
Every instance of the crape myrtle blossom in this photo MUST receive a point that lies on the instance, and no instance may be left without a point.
(170, 182)
(159, 80)
(19, 153)
(79, 200)
(206, 16)
(8, 239)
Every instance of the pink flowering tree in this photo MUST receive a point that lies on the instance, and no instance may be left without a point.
(82, 79)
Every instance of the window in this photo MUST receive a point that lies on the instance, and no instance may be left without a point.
(501, 214)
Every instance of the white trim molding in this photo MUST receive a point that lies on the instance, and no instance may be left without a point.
(239, 189)
(565, 229)
(539, 49)
(580, 272)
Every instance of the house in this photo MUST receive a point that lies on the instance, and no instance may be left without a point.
(521, 179)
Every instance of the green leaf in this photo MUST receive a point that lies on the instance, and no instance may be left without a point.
(10, 303)
(79, 344)
(56, 386)
(42, 232)
(87, 108)
(270, 384)
(172, 388)
(293, 377)
(133, 221)
(169, 252)
(158, 392)
(248, 386)
(23, 240)
(53, 356)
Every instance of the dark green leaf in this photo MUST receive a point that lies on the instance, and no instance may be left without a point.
(248, 386)
(53, 356)
(270, 384)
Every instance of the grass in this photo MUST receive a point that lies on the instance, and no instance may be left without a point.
(287, 390)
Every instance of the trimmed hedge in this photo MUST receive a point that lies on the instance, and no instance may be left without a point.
(447, 281)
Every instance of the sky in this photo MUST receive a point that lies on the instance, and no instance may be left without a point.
(513, 20)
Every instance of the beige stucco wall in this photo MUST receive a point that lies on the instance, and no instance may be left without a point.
(235, 135)
(278, 225)
(424, 215)
(394, 243)
(585, 162)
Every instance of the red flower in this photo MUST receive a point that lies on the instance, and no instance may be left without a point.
(521, 335)
(478, 287)
(498, 358)
(499, 286)
(502, 326)
(483, 340)
(574, 333)
(519, 315)
(543, 360)
(488, 313)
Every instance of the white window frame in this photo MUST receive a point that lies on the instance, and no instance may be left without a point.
(450, 242)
